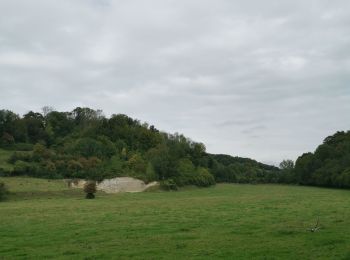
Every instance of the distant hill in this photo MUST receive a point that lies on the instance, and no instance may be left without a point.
(243, 170)
(226, 160)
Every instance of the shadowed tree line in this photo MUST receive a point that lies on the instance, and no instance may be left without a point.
(328, 166)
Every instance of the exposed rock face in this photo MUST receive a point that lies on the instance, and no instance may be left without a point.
(120, 184)
(123, 184)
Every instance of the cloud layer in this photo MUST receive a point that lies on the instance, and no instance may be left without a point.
(262, 79)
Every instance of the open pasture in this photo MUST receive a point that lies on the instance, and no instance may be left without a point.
(45, 219)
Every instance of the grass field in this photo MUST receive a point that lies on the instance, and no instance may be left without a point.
(44, 219)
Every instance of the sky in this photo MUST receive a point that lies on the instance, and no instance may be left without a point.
(267, 79)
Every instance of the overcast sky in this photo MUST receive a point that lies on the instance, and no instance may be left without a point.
(262, 79)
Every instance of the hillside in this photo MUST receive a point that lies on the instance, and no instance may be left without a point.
(83, 143)
(227, 168)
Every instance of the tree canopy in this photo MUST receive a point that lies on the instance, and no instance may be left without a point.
(84, 143)
(328, 166)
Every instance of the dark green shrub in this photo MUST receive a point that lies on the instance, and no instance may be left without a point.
(203, 178)
(185, 172)
(20, 156)
(4, 172)
(90, 189)
(3, 191)
(168, 185)
(200, 177)
(150, 173)
(41, 153)
(22, 168)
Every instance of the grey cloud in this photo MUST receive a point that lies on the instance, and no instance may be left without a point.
(253, 130)
(260, 79)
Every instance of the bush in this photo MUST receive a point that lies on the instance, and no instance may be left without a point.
(150, 173)
(3, 191)
(185, 172)
(200, 177)
(4, 172)
(41, 153)
(90, 189)
(20, 156)
(22, 168)
(203, 178)
(168, 185)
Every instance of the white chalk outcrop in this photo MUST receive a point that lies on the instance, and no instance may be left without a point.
(116, 185)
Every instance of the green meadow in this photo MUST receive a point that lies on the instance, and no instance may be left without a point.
(45, 219)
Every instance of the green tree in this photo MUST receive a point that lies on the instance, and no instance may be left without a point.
(151, 173)
(185, 172)
(35, 127)
(287, 165)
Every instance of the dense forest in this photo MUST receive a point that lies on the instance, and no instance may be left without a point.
(328, 166)
(86, 144)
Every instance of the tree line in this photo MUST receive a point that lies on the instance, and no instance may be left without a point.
(328, 166)
(84, 143)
